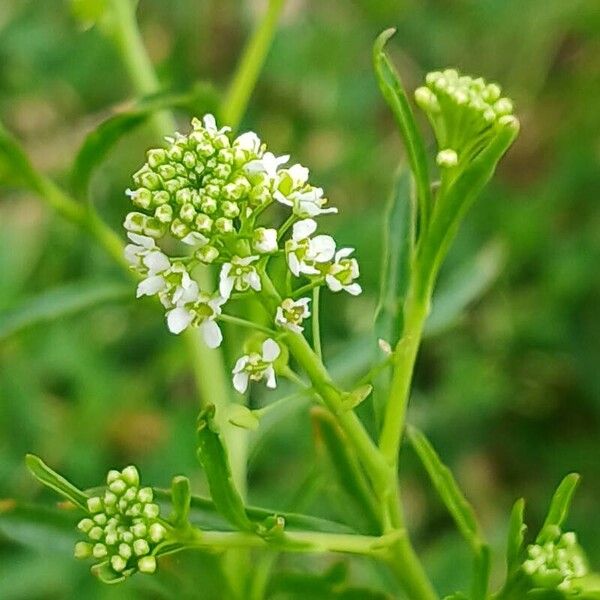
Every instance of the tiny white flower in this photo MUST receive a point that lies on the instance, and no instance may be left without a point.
(255, 367)
(202, 314)
(248, 141)
(307, 203)
(342, 273)
(303, 251)
(268, 164)
(290, 314)
(210, 124)
(144, 255)
(265, 240)
(239, 274)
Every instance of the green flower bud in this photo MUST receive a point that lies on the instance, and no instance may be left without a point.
(118, 563)
(85, 525)
(230, 209)
(142, 197)
(187, 213)
(447, 158)
(164, 213)
(156, 157)
(141, 547)
(224, 225)
(203, 223)
(83, 550)
(99, 551)
(161, 197)
(145, 495)
(179, 229)
(147, 564)
(207, 254)
(94, 505)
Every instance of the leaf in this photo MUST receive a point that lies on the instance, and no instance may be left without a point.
(44, 474)
(559, 507)
(346, 470)
(516, 536)
(60, 302)
(466, 285)
(398, 243)
(481, 572)
(215, 462)
(393, 91)
(98, 143)
(15, 167)
(181, 497)
(447, 488)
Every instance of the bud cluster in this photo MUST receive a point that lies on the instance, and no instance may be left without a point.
(465, 114)
(556, 564)
(123, 527)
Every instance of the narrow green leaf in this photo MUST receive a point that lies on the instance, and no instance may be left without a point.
(482, 564)
(15, 167)
(346, 470)
(215, 462)
(559, 506)
(516, 536)
(392, 89)
(464, 287)
(202, 98)
(60, 302)
(181, 497)
(447, 488)
(45, 475)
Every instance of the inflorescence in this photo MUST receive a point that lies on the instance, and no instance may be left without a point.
(123, 527)
(201, 201)
(465, 114)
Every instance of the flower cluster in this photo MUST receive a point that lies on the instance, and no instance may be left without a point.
(464, 112)
(123, 526)
(556, 564)
(199, 201)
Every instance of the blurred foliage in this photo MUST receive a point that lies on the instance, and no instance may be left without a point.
(510, 395)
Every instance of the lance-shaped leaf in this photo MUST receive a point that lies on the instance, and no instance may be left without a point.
(202, 98)
(60, 302)
(459, 508)
(181, 497)
(44, 474)
(392, 89)
(215, 462)
(346, 470)
(559, 507)
(516, 537)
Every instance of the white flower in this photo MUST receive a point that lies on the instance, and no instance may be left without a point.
(303, 251)
(144, 255)
(239, 274)
(268, 164)
(210, 124)
(248, 141)
(304, 204)
(255, 367)
(202, 314)
(342, 273)
(265, 240)
(173, 285)
(290, 314)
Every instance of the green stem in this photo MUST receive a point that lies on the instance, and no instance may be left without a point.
(247, 324)
(250, 65)
(316, 324)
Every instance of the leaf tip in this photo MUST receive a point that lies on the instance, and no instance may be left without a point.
(382, 40)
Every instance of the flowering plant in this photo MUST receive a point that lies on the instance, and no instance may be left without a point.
(224, 232)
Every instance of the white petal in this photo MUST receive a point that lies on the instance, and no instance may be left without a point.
(244, 262)
(354, 289)
(253, 280)
(343, 253)
(302, 229)
(299, 174)
(270, 375)
(195, 239)
(333, 284)
(157, 262)
(150, 286)
(141, 240)
(132, 254)
(255, 166)
(306, 209)
(308, 269)
(248, 141)
(270, 350)
(241, 362)
(279, 318)
(240, 382)
(322, 248)
(178, 319)
(294, 264)
(210, 122)
(211, 333)
(189, 293)
(281, 198)
(226, 286)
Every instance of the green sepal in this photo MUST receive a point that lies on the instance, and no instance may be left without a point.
(106, 574)
(181, 497)
(516, 537)
(559, 508)
(215, 462)
(272, 528)
(356, 397)
(346, 470)
(98, 143)
(393, 91)
(45, 475)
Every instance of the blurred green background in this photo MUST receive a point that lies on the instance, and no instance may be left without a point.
(510, 393)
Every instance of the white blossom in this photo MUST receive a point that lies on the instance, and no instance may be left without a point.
(268, 164)
(290, 314)
(265, 240)
(303, 252)
(202, 314)
(342, 273)
(248, 141)
(255, 366)
(210, 124)
(239, 274)
(144, 255)
(305, 203)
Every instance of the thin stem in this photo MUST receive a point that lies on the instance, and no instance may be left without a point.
(285, 226)
(276, 406)
(247, 324)
(316, 324)
(250, 65)
(306, 288)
